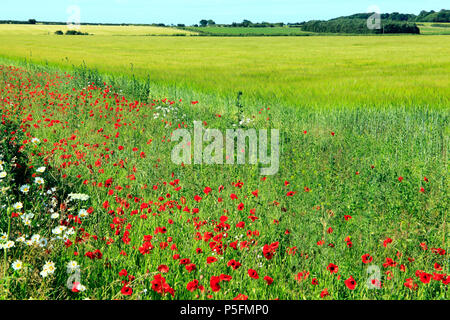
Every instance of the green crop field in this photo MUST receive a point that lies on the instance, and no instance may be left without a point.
(249, 31)
(434, 28)
(45, 30)
(295, 71)
(94, 206)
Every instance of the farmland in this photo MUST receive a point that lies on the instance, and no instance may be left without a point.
(93, 207)
(248, 31)
(429, 28)
(295, 71)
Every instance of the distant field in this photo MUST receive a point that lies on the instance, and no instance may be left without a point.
(41, 29)
(250, 31)
(298, 71)
(436, 28)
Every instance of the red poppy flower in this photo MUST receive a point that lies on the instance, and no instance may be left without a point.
(366, 258)
(332, 268)
(163, 268)
(126, 291)
(253, 274)
(269, 280)
(210, 260)
(214, 283)
(240, 296)
(350, 283)
(324, 293)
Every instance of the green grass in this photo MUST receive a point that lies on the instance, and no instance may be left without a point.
(411, 143)
(434, 28)
(313, 72)
(354, 114)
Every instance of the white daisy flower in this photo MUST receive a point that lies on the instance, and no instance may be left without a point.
(72, 266)
(81, 288)
(2, 174)
(40, 169)
(17, 265)
(18, 205)
(39, 180)
(82, 213)
(49, 267)
(25, 188)
(35, 238)
(9, 244)
(43, 243)
(58, 229)
(78, 196)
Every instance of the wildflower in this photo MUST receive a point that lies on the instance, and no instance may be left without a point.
(48, 269)
(58, 230)
(241, 296)
(83, 213)
(324, 293)
(72, 266)
(350, 283)
(253, 274)
(9, 244)
(78, 287)
(25, 188)
(78, 196)
(2, 174)
(35, 239)
(40, 169)
(18, 205)
(17, 265)
(39, 180)
(366, 258)
(269, 280)
(126, 291)
(332, 268)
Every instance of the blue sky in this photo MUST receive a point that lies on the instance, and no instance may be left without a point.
(191, 11)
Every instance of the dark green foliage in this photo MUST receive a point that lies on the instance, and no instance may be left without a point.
(359, 26)
(76, 33)
(432, 16)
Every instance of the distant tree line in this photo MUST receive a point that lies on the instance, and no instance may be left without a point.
(359, 26)
(338, 24)
(245, 23)
(424, 16)
(29, 21)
